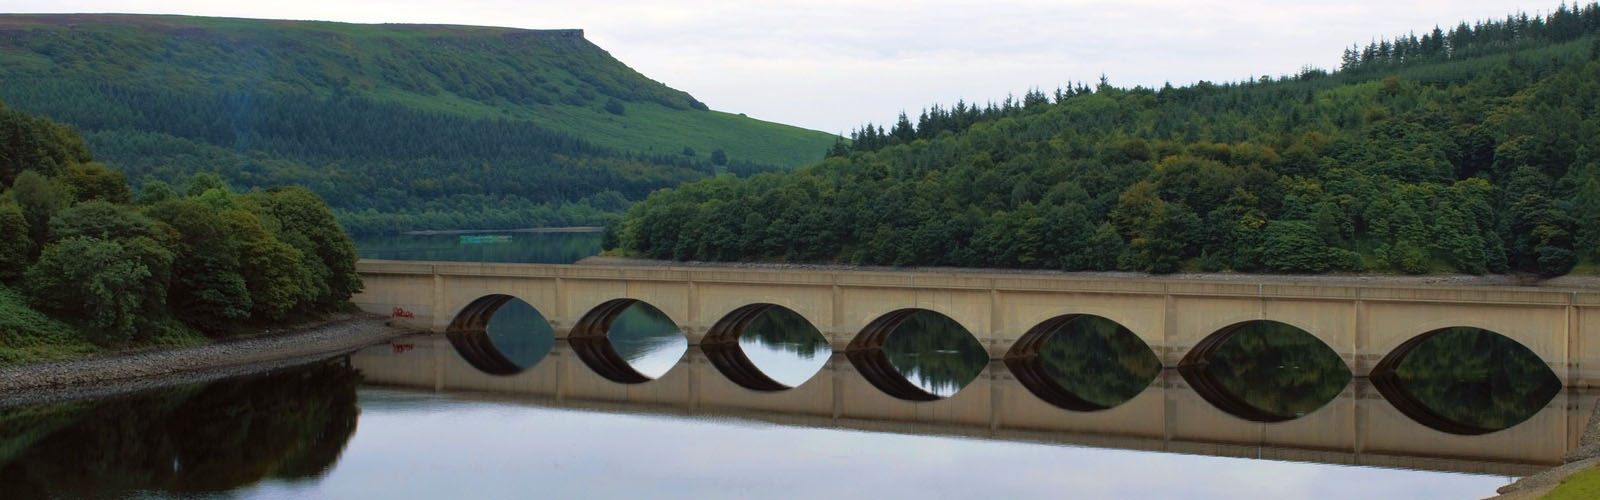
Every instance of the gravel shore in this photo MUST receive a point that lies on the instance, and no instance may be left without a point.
(100, 376)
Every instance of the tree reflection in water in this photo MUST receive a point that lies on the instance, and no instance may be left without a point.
(1266, 371)
(935, 353)
(520, 334)
(290, 425)
(1098, 361)
(783, 346)
(1466, 381)
(647, 339)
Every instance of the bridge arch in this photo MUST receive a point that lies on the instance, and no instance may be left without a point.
(468, 333)
(590, 341)
(1025, 362)
(868, 354)
(1535, 332)
(1195, 368)
(1499, 369)
(721, 346)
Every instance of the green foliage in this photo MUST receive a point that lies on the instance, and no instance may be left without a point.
(1459, 162)
(36, 144)
(305, 223)
(14, 242)
(39, 198)
(1293, 247)
(208, 284)
(27, 335)
(105, 283)
(427, 127)
(153, 192)
(153, 274)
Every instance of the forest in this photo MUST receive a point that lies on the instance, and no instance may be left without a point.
(1470, 150)
(399, 127)
(87, 264)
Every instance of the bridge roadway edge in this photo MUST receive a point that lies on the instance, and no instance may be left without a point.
(1361, 322)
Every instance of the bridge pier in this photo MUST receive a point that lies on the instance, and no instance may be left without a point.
(1362, 323)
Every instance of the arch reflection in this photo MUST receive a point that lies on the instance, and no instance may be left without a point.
(500, 335)
(1465, 380)
(766, 347)
(1083, 362)
(1265, 371)
(917, 355)
(628, 341)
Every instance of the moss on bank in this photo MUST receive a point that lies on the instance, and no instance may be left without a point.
(29, 336)
(1581, 486)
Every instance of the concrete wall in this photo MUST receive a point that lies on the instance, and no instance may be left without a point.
(1361, 323)
(1357, 427)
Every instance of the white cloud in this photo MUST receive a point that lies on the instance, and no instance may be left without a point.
(832, 64)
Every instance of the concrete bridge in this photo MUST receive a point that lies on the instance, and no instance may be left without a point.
(1358, 427)
(1365, 325)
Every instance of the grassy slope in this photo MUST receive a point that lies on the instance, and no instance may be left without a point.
(552, 78)
(1581, 486)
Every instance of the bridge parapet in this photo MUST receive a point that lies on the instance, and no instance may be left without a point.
(1363, 323)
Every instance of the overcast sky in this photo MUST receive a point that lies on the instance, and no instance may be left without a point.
(832, 64)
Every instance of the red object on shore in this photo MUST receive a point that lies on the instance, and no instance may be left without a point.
(399, 348)
(402, 313)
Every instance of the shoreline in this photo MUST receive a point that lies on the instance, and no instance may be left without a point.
(1583, 282)
(534, 230)
(100, 376)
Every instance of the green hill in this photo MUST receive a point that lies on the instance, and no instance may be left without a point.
(1469, 150)
(400, 126)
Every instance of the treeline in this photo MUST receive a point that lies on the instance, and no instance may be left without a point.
(82, 248)
(1475, 165)
(421, 125)
(385, 167)
(1561, 25)
(412, 169)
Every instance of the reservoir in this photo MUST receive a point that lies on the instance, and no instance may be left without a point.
(774, 407)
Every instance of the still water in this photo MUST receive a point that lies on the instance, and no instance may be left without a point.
(1084, 410)
(1265, 416)
(529, 248)
(414, 420)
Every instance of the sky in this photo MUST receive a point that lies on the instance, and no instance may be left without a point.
(834, 64)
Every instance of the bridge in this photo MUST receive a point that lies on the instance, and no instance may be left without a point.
(1358, 427)
(1367, 325)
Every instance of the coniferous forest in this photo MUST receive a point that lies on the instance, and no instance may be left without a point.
(1472, 149)
(399, 127)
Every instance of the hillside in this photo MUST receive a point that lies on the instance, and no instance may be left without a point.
(442, 124)
(1469, 150)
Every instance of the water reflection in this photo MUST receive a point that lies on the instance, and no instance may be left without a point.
(1466, 381)
(647, 339)
(784, 346)
(1083, 363)
(1266, 371)
(1168, 415)
(501, 335)
(766, 347)
(533, 248)
(521, 334)
(934, 352)
(291, 425)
